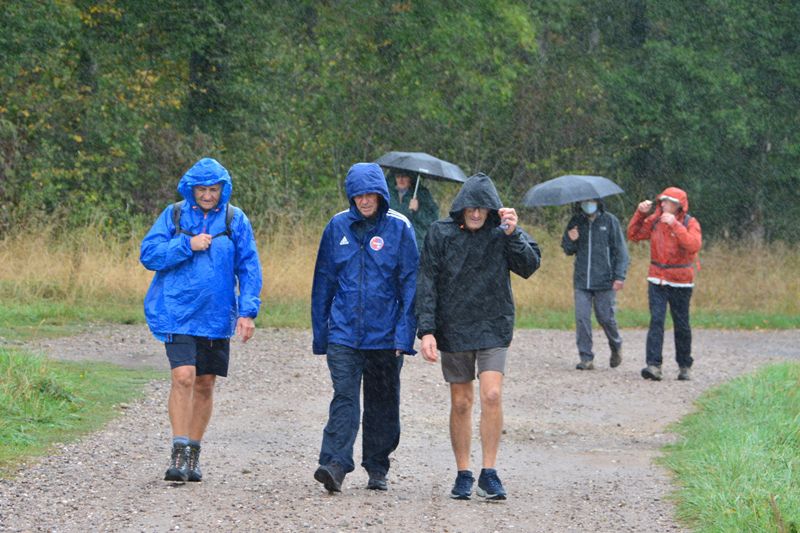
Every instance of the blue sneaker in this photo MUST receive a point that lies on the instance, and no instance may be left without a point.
(490, 486)
(463, 485)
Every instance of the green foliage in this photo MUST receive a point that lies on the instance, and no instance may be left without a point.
(105, 104)
(42, 401)
(738, 459)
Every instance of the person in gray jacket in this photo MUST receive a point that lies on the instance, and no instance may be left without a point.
(595, 238)
(465, 308)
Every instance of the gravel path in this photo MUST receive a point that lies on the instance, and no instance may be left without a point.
(577, 451)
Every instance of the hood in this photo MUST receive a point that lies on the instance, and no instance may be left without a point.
(678, 194)
(477, 191)
(207, 171)
(363, 178)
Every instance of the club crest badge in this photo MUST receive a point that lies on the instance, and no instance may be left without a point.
(376, 243)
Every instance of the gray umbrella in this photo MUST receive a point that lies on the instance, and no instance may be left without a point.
(569, 189)
(424, 165)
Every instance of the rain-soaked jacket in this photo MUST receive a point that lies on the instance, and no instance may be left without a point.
(673, 248)
(363, 292)
(601, 256)
(423, 217)
(194, 292)
(464, 293)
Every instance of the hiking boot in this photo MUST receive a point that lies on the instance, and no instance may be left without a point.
(178, 466)
(462, 488)
(652, 372)
(377, 481)
(331, 475)
(585, 364)
(684, 374)
(490, 486)
(193, 464)
(616, 357)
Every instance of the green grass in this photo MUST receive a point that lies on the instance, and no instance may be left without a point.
(46, 318)
(738, 462)
(44, 401)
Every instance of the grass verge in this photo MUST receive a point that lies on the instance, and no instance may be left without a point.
(738, 462)
(44, 401)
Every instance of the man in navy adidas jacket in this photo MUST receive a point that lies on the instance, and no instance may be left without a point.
(362, 314)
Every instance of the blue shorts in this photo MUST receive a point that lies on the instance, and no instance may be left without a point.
(209, 356)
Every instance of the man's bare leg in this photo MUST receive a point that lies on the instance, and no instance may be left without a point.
(491, 390)
(462, 397)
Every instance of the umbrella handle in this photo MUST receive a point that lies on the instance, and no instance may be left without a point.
(416, 186)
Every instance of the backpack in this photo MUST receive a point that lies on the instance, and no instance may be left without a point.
(176, 220)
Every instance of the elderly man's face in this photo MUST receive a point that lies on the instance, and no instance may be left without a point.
(207, 196)
(475, 217)
(367, 204)
(668, 206)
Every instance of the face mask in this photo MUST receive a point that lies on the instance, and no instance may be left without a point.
(589, 207)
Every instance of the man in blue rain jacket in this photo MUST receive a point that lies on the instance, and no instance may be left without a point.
(192, 304)
(362, 313)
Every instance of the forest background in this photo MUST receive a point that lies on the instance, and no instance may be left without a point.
(104, 104)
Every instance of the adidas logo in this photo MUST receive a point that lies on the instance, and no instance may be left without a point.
(344, 241)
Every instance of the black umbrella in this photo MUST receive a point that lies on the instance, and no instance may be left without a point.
(424, 165)
(569, 189)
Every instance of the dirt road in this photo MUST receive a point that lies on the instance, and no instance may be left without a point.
(577, 453)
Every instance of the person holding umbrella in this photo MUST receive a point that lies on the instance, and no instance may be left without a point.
(409, 197)
(595, 238)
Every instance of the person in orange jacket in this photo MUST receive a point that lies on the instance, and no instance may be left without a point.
(675, 238)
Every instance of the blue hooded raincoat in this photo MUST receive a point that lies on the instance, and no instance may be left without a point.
(363, 292)
(194, 293)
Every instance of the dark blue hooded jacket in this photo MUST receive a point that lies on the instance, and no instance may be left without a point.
(194, 293)
(366, 274)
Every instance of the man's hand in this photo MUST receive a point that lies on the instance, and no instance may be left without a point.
(618, 284)
(573, 234)
(645, 206)
(668, 219)
(429, 351)
(413, 204)
(245, 328)
(508, 216)
(200, 242)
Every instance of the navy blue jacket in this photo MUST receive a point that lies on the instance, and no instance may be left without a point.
(366, 274)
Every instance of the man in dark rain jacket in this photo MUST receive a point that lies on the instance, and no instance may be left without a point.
(421, 210)
(596, 240)
(362, 314)
(192, 304)
(465, 308)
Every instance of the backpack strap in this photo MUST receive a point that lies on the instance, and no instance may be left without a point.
(177, 208)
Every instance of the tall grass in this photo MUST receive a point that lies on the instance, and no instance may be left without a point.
(738, 463)
(43, 401)
(738, 285)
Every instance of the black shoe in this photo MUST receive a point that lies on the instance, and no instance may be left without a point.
(684, 374)
(616, 357)
(652, 372)
(585, 364)
(377, 481)
(179, 464)
(330, 475)
(462, 488)
(193, 464)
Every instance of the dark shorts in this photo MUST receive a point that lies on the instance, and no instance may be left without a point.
(459, 367)
(209, 356)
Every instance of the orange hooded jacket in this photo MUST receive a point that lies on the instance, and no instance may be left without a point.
(673, 248)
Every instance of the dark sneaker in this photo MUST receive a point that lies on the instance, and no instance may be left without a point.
(193, 463)
(585, 364)
(490, 486)
(685, 374)
(377, 481)
(616, 357)
(330, 475)
(652, 372)
(179, 465)
(462, 489)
